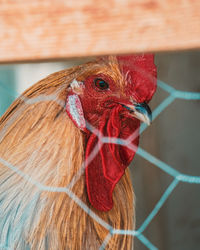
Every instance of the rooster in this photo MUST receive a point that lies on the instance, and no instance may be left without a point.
(64, 182)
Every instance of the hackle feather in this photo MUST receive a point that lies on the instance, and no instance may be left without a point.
(40, 149)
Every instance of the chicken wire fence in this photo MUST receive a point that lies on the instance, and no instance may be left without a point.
(178, 177)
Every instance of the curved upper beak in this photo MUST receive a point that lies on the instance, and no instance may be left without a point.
(140, 111)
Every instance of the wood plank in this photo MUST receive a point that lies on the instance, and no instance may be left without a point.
(58, 29)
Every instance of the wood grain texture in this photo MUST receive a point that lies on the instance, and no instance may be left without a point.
(59, 29)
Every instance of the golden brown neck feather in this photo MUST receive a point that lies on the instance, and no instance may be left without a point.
(40, 140)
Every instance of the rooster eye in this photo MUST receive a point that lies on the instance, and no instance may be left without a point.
(101, 84)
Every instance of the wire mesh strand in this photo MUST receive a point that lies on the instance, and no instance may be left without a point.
(178, 177)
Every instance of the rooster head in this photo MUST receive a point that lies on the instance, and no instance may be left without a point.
(107, 101)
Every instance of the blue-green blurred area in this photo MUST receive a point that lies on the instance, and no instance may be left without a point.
(7, 87)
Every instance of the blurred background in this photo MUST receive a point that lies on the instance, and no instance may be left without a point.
(173, 137)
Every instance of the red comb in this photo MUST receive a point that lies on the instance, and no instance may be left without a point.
(140, 72)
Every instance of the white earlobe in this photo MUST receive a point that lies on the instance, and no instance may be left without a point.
(75, 111)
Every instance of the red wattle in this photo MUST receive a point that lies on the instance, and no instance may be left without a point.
(105, 170)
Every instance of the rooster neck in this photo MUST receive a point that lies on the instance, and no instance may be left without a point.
(75, 229)
(50, 152)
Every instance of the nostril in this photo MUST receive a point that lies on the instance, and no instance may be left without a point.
(128, 108)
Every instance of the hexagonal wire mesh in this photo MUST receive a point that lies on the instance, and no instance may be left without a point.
(177, 176)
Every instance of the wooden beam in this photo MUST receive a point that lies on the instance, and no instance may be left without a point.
(59, 29)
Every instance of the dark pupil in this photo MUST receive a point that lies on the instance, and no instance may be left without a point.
(101, 84)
